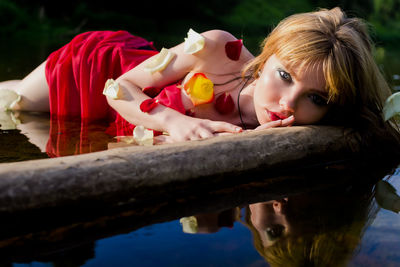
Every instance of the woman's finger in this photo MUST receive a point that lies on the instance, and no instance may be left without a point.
(288, 121)
(219, 126)
(278, 123)
(270, 124)
(205, 134)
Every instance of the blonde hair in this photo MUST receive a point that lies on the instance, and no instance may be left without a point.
(356, 88)
(341, 44)
(324, 248)
(329, 232)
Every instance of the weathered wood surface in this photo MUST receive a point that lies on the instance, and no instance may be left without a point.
(137, 174)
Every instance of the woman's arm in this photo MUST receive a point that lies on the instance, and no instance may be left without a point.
(179, 126)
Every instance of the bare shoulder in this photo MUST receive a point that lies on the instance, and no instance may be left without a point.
(215, 47)
(219, 36)
(217, 39)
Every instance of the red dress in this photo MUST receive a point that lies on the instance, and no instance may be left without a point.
(76, 75)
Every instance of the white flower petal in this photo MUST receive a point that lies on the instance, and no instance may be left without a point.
(125, 139)
(8, 99)
(189, 225)
(392, 106)
(8, 121)
(160, 61)
(143, 136)
(112, 89)
(193, 43)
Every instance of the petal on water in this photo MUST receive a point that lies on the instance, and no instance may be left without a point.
(8, 121)
(189, 225)
(8, 99)
(143, 136)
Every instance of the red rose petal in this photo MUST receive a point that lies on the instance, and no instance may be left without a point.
(148, 105)
(156, 133)
(151, 91)
(224, 104)
(233, 49)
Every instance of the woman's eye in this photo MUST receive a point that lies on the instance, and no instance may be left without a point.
(285, 76)
(275, 231)
(318, 100)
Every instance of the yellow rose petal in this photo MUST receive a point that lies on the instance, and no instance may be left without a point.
(189, 225)
(8, 99)
(392, 106)
(112, 89)
(143, 136)
(193, 43)
(160, 61)
(200, 89)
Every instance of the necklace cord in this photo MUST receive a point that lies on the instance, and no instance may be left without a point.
(238, 103)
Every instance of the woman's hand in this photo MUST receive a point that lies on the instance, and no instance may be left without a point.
(189, 128)
(278, 123)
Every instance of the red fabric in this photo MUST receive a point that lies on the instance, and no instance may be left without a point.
(76, 75)
(77, 72)
(170, 97)
(75, 136)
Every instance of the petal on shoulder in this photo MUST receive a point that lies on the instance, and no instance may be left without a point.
(215, 41)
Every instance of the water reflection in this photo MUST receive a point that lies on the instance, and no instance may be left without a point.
(52, 137)
(322, 228)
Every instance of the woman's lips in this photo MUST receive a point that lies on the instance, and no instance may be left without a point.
(276, 116)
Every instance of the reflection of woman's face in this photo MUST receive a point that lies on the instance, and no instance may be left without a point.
(269, 219)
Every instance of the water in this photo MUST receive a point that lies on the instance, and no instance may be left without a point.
(335, 225)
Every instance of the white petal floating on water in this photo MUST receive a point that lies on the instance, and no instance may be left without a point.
(143, 136)
(8, 121)
(189, 225)
(8, 99)
(112, 89)
(392, 106)
(386, 196)
(125, 139)
(193, 43)
(160, 61)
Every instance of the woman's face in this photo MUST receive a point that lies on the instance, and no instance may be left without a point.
(279, 94)
(269, 219)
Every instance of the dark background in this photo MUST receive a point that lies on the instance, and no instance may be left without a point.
(30, 30)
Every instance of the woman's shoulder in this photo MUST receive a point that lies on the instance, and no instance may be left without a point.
(219, 35)
(217, 39)
(224, 45)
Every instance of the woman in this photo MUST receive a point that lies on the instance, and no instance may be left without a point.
(315, 68)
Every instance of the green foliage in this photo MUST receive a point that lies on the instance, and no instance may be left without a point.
(261, 15)
(52, 23)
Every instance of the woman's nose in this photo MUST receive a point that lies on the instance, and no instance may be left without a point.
(287, 103)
